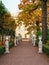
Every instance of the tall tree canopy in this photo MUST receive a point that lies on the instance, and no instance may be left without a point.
(28, 15)
(34, 11)
(6, 19)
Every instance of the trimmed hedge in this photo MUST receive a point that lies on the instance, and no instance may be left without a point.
(46, 49)
(2, 50)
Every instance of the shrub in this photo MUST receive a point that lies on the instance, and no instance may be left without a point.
(47, 43)
(47, 37)
(38, 33)
(46, 49)
(2, 50)
(11, 44)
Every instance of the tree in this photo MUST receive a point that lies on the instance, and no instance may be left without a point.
(3, 10)
(28, 15)
(9, 23)
(31, 6)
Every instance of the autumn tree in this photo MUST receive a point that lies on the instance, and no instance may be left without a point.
(28, 15)
(3, 10)
(7, 22)
(31, 6)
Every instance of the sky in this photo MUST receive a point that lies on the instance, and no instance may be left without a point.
(11, 5)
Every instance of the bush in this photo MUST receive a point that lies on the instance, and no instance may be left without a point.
(37, 41)
(47, 43)
(46, 49)
(0, 43)
(47, 37)
(11, 44)
(38, 33)
(2, 50)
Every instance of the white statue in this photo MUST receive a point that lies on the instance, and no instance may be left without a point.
(6, 45)
(15, 42)
(20, 37)
(40, 44)
(31, 38)
(34, 39)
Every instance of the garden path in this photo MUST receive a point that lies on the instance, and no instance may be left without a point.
(24, 54)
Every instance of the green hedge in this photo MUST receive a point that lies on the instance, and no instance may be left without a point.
(37, 41)
(45, 46)
(46, 49)
(38, 33)
(2, 50)
(11, 44)
(7, 32)
(47, 37)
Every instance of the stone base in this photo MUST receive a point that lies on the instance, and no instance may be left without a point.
(40, 50)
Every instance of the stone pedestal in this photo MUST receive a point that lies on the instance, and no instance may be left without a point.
(6, 45)
(40, 44)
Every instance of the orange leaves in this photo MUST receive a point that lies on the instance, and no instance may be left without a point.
(30, 11)
(7, 15)
(48, 9)
(9, 21)
(20, 5)
(29, 3)
(24, 1)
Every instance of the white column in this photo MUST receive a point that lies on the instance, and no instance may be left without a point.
(40, 45)
(15, 42)
(7, 45)
(19, 37)
(32, 39)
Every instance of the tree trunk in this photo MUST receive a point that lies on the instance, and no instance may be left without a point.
(44, 21)
(37, 24)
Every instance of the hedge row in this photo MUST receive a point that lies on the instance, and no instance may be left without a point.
(46, 49)
(2, 48)
(7, 32)
(11, 44)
